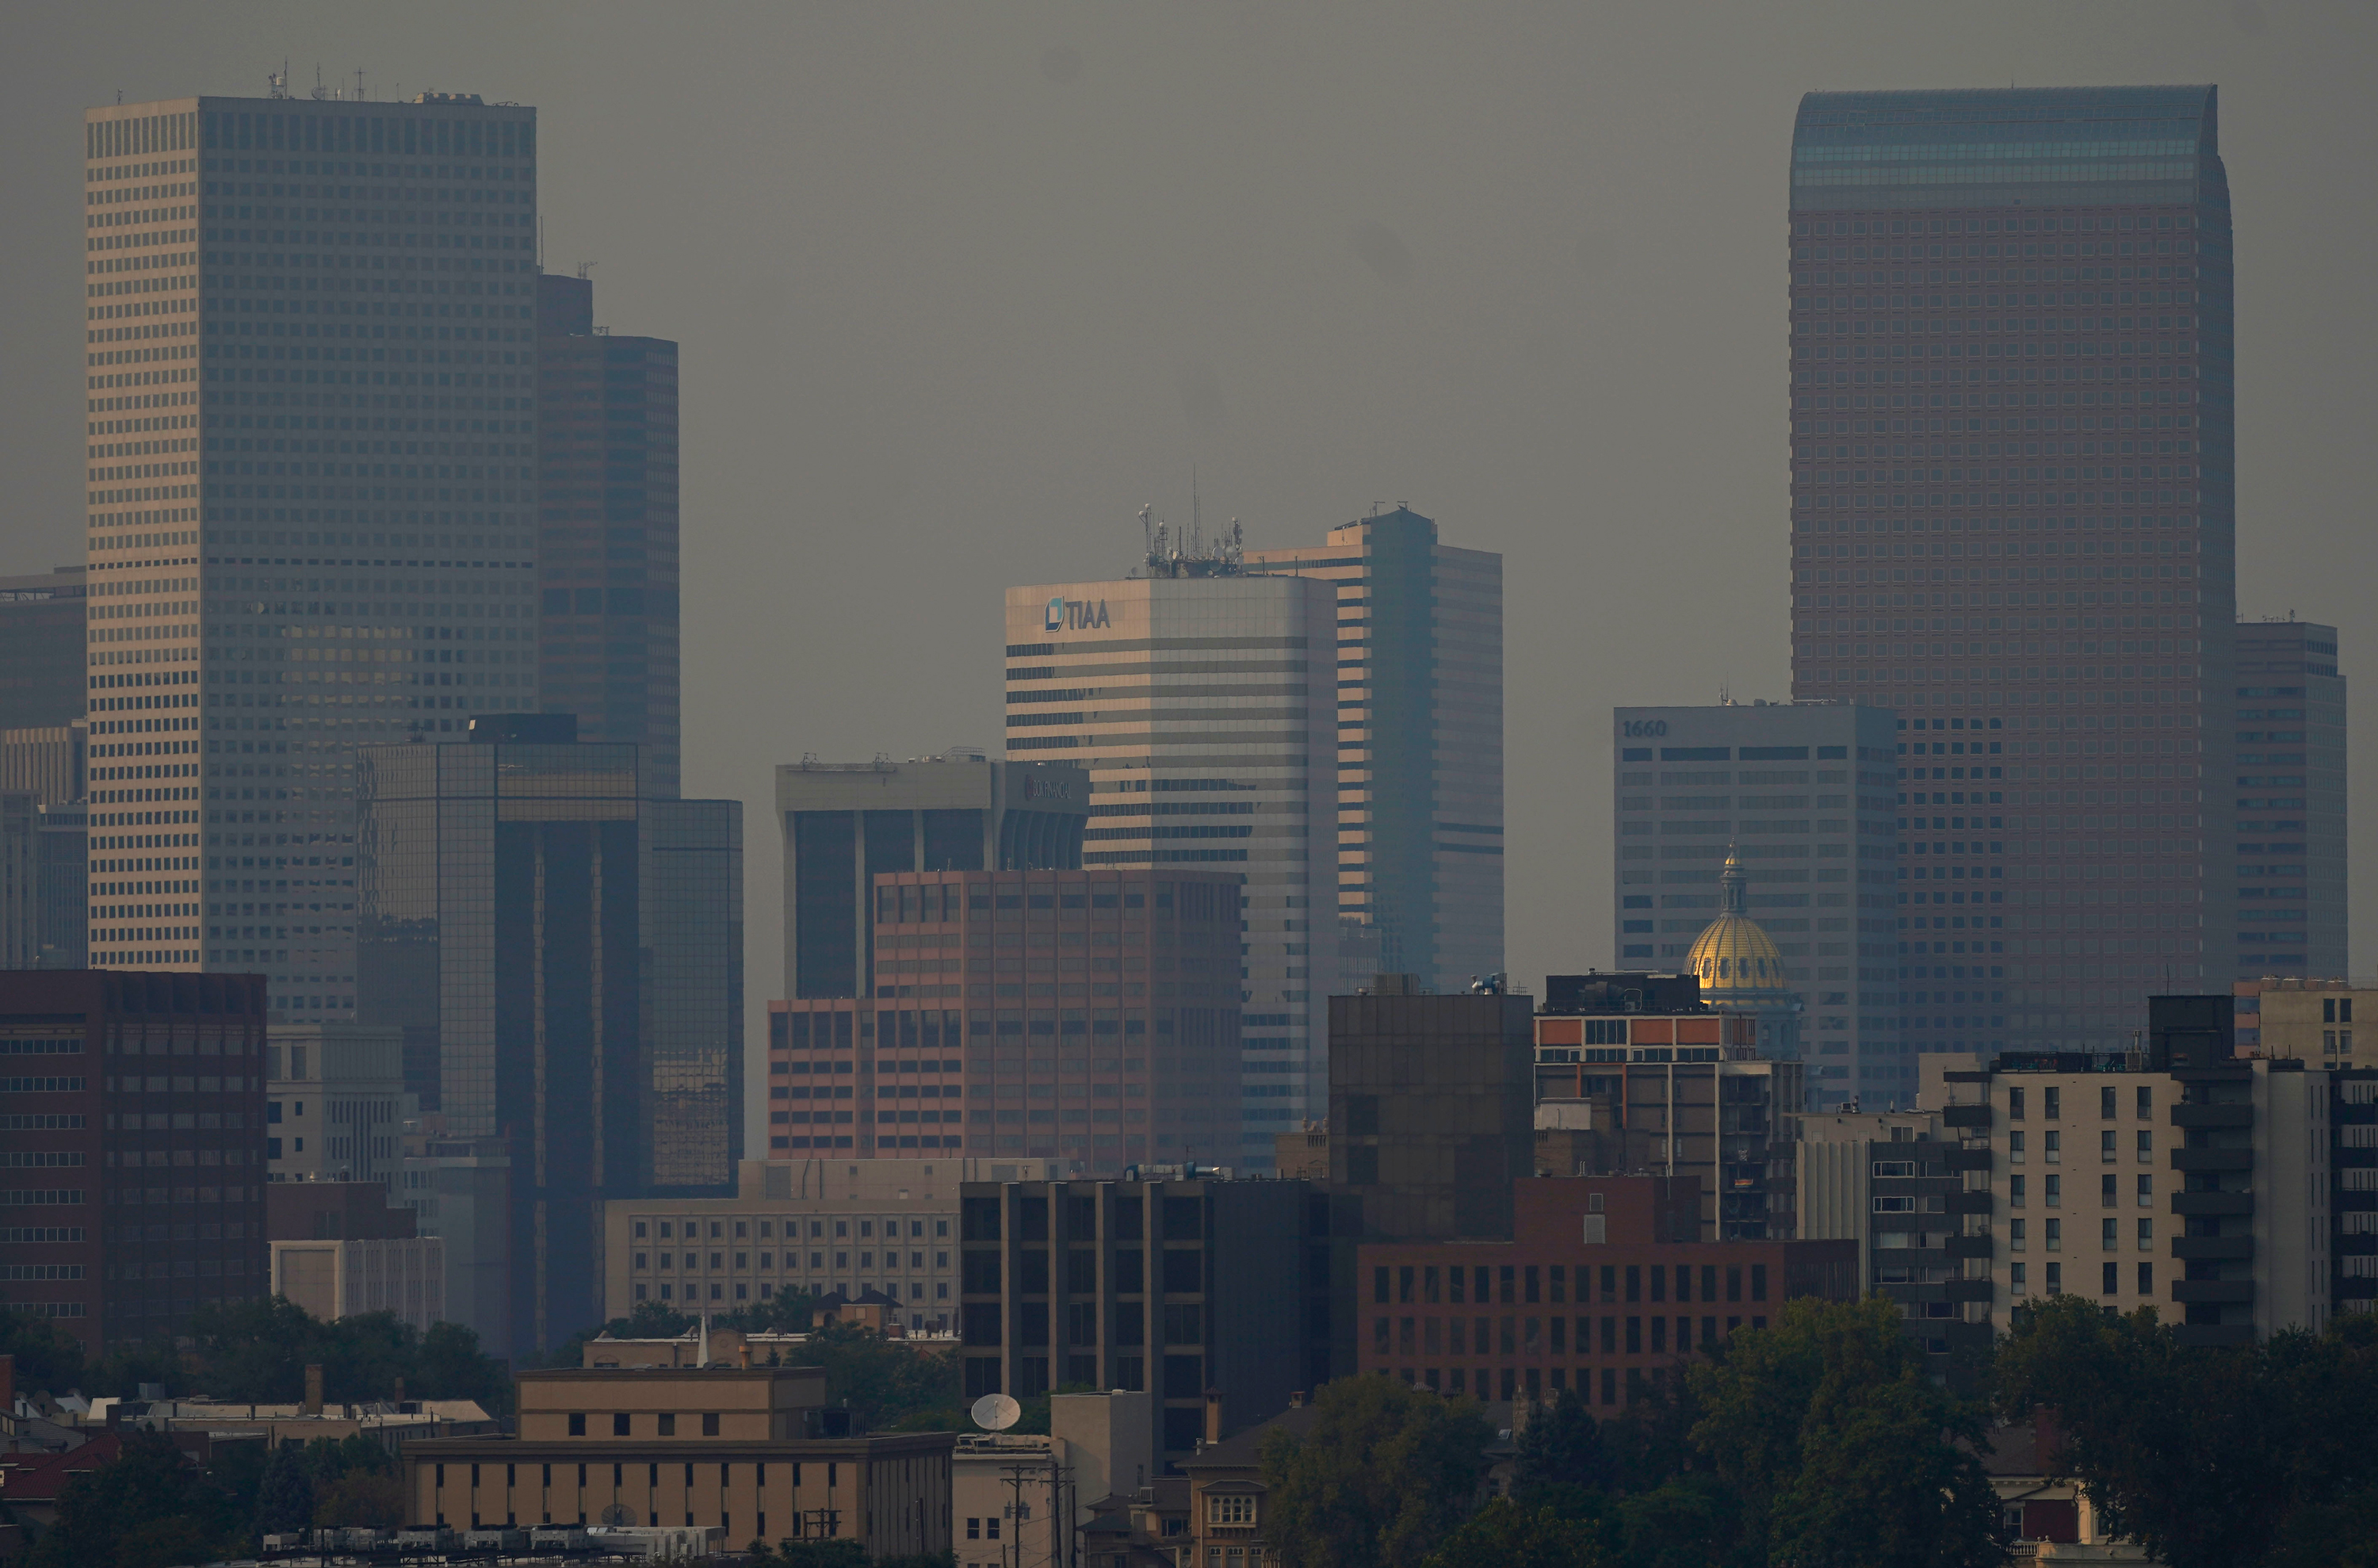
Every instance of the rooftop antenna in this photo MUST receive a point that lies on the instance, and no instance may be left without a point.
(1197, 529)
(359, 83)
(320, 92)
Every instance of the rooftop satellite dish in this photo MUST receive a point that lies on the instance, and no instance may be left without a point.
(617, 1516)
(996, 1412)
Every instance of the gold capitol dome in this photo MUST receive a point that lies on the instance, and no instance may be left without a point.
(1734, 953)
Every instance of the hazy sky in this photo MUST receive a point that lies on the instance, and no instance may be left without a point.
(961, 287)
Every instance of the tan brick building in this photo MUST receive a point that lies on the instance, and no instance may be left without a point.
(747, 1448)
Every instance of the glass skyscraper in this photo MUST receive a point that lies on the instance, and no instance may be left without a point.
(564, 953)
(308, 396)
(2012, 508)
(2293, 898)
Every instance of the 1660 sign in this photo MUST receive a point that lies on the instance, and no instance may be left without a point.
(1636, 729)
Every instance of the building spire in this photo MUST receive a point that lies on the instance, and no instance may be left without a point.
(1735, 884)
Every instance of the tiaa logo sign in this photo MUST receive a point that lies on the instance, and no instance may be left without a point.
(1074, 615)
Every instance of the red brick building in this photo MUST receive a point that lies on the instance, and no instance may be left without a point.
(132, 1113)
(1603, 1289)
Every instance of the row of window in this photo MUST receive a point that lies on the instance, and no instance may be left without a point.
(719, 1229)
(792, 1260)
(1510, 1283)
(1422, 1335)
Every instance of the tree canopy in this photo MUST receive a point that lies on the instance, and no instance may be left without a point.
(1384, 1473)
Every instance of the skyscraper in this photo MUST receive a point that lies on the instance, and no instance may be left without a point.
(2290, 801)
(607, 528)
(564, 953)
(1195, 700)
(1419, 691)
(40, 650)
(2013, 488)
(309, 396)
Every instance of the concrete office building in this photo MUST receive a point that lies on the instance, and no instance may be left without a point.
(20, 881)
(1097, 1011)
(62, 834)
(334, 1110)
(2082, 360)
(311, 503)
(2306, 1021)
(1420, 746)
(818, 1224)
(1096, 1447)
(1190, 695)
(1636, 1073)
(2292, 908)
(460, 1191)
(845, 824)
(607, 528)
(1187, 1290)
(135, 1187)
(43, 768)
(1804, 797)
(1430, 1109)
(564, 955)
(2176, 1177)
(42, 627)
(1888, 1180)
(403, 1276)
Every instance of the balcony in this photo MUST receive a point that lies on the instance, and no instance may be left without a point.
(1966, 1159)
(1967, 1290)
(2211, 1204)
(2212, 1115)
(1968, 1204)
(2213, 1337)
(2212, 1292)
(1966, 1115)
(2213, 1248)
(2213, 1159)
(1969, 1247)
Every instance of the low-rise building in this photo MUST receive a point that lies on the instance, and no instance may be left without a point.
(1606, 1287)
(1173, 1287)
(755, 1451)
(2309, 1020)
(406, 1275)
(818, 1225)
(1228, 1519)
(1025, 1494)
(1892, 1181)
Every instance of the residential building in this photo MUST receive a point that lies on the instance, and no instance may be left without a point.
(2292, 913)
(1419, 687)
(41, 626)
(1189, 695)
(2309, 1020)
(1634, 1073)
(1182, 1288)
(1026, 1493)
(281, 570)
(814, 1224)
(334, 1279)
(1802, 797)
(460, 1191)
(62, 836)
(2212, 1176)
(745, 1449)
(1596, 1252)
(564, 951)
(1430, 1111)
(2353, 1195)
(1098, 1012)
(845, 824)
(1888, 1180)
(1228, 1512)
(335, 1108)
(607, 621)
(2065, 254)
(119, 1238)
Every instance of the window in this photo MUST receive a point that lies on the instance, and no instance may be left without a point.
(619, 1424)
(2106, 1104)
(2146, 1147)
(2051, 1103)
(1231, 1509)
(710, 1425)
(2055, 1236)
(577, 1423)
(669, 1424)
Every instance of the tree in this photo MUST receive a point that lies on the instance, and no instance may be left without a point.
(285, 1500)
(147, 1505)
(787, 1311)
(362, 1497)
(1562, 1463)
(1840, 1451)
(451, 1365)
(2204, 1455)
(1383, 1475)
(47, 1360)
(1509, 1535)
(892, 1385)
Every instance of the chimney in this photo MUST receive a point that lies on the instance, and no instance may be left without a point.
(1296, 1400)
(1213, 1416)
(743, 1356)
(7, 1385)
(400, 1391)
(313, 1388)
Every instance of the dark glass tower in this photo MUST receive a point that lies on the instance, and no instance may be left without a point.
(563, 953)
(2012, 509)
(607, 453)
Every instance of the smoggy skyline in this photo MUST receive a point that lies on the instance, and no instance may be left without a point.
(958, 292)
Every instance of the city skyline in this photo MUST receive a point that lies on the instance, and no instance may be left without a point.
(1553, 939)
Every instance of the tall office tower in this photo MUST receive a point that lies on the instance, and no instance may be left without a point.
(2290, 801)
(64, 835)
(133, 1197)
(1420, 746)
(1800, 794)
(2013, 504)
(309, 395)
(607, 539)
(563, 953)
(1191, 696)
(845, 824)
(47, 765)
(40, 649)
